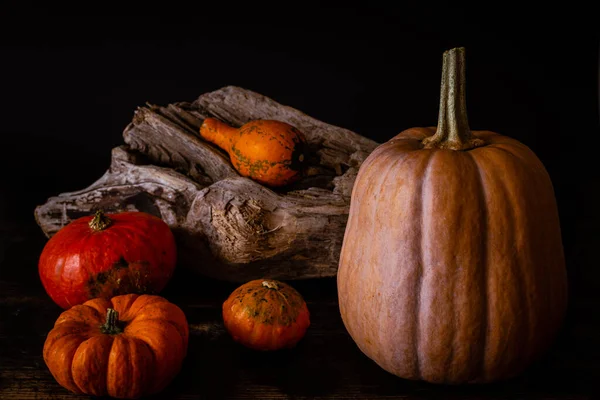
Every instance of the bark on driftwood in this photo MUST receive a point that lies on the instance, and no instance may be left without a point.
(227, 226)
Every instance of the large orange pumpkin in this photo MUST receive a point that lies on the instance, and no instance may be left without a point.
(126, 347)
(452, 266)
(271, 152)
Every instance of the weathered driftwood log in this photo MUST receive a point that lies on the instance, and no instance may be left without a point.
(227, 226)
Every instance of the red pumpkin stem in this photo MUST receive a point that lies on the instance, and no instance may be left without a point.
(217, 132)
(99, 222)
(112, 326)
(453, 131)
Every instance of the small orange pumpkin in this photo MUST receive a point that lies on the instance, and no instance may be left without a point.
(270, 152)
(126, 347)
(266, 315)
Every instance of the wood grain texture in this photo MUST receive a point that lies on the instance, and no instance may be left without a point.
(325, 365)
(227, 226)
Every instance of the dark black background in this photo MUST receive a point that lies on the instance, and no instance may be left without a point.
(70, 84)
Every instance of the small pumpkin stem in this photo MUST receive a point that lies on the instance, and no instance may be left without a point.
(217, 132)
(112, 326)
(270, 285)
(100, 221)
(453, 131)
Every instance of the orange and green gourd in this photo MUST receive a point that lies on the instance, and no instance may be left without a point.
(270, 152)
(266, 314)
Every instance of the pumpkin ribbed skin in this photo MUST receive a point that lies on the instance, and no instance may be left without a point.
(452, 266)
(141, 360)
(267, 315)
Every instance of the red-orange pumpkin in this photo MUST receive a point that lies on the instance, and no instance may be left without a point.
(273, 153)
(265, 314)
(452, 266)
(126, 347)
(107, 255)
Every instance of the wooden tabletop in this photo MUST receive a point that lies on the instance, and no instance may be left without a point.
(325, 365)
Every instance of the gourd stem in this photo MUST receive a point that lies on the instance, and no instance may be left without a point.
(100, 221)
(453, 131)
(112, 326)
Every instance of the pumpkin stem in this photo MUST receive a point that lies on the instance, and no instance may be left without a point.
(217, 132)
(453, 131)
(270, 284)
(100, 221)
(112, 326)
